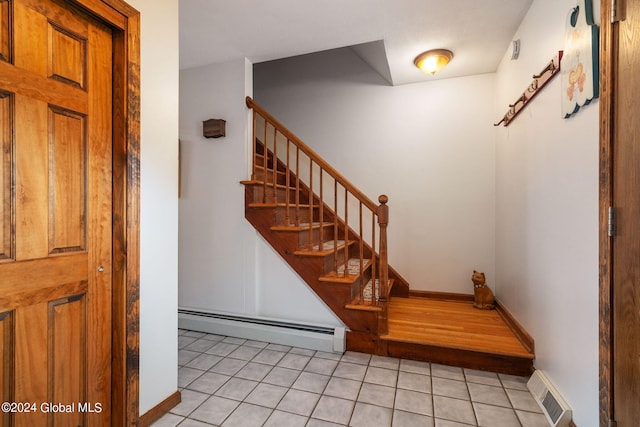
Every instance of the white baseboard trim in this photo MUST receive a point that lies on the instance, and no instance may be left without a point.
(321, 338)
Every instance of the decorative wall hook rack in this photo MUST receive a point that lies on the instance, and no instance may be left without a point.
(539, 81)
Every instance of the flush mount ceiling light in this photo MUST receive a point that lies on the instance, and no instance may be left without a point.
(432, 61)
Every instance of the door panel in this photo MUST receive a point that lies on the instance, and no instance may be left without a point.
(7, 351)
(31, 178)
(55, 214)
(6, 148)
(67, 181)
(67, 346)
(4, 31)
(67, 57)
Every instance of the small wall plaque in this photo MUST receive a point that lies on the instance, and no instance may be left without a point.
(213, 128)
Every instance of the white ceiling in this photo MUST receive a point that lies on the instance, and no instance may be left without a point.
(477, 31)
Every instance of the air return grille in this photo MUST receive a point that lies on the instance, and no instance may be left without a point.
(553, 405)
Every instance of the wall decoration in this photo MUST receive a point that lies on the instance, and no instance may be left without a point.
(580, 70)
(214, 128)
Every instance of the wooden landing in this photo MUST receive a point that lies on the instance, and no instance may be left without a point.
(454, 333)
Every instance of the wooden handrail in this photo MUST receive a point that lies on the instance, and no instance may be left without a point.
(313, 155)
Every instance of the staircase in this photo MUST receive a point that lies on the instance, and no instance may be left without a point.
(335, 238)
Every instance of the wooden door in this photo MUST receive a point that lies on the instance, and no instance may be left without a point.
(620, 190)
(55, 215)
(626, 243)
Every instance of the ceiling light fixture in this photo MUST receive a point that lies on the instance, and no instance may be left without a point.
(432, 61)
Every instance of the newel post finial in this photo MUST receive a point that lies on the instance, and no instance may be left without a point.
(383, 210)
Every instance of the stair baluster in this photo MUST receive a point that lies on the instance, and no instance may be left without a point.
(361, 283)
(335, 226)
(346, 232)
(255, 149)
(310, 244)
(321, 214)
(274, 165)
(374, 261)
(265, 165)
(297, 186)
(287, 179)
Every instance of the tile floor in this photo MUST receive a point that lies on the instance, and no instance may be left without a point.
(228, 381)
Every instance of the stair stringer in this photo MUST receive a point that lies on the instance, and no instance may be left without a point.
(310, 269)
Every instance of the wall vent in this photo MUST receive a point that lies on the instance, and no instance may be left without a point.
(554, 407)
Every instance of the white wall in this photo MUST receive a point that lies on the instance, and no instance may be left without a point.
(159, 202)
(519, 203)
(428, 146)
(547, 216)
(224, 266)
(216, 257)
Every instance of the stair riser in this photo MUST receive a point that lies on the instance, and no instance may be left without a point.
(304, 239)
(265, 195)
(260, 162)
(302, 215)
(368, 343)
(329, 262)
(259, 175)
(355, 287)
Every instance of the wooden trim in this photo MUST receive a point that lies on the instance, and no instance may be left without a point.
(105, 12)
(523, 336)
(442, 296)
(608, 48)
(160, 409)
(125, 23)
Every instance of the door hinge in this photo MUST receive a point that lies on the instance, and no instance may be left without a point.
(611, 222)
(613, 423)
(618, 10)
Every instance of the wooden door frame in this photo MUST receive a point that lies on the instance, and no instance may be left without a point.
(125, 23)
(608, 51)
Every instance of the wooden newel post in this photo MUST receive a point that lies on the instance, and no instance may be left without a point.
(383, 221)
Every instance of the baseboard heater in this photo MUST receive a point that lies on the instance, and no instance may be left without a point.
(322, 338)
(554, 407)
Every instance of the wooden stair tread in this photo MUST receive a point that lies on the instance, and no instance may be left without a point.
(301, 227)
(363, 307)
(452, 324)
(278, 205)
(266, 184)
(270, 169)
(328, 248)
(353, 274)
